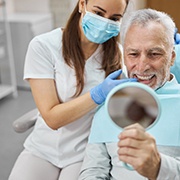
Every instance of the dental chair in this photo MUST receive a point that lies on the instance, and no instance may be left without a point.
(175, 69)
(28, 120)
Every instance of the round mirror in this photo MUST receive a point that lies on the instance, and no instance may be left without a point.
(131, 103)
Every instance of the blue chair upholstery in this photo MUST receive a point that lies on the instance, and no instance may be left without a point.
(175, 69)
(176, 37)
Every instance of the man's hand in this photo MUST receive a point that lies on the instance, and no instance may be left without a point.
(138, 148)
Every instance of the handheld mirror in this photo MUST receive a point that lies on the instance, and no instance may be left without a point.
(131, 103)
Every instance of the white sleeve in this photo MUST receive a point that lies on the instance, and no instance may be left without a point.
(38, 62)
(170, 168)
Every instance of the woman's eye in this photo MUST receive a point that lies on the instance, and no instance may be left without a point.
(115, 19)
(98, 13)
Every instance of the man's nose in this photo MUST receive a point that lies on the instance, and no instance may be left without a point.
(143, 63)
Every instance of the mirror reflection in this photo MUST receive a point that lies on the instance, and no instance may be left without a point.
(131, 105)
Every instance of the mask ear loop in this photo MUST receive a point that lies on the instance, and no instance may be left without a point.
(85, 7)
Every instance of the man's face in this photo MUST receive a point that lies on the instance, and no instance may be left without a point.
(147, 55)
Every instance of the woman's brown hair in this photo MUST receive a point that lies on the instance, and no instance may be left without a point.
(73, 54)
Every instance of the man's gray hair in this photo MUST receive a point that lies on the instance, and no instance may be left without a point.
(142, 17)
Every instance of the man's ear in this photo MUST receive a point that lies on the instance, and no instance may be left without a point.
(173, 56)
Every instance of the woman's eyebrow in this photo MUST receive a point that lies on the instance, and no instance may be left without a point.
(106, 11)
(118, 15)
(100, 8)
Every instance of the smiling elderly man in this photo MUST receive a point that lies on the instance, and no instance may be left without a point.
(148, 42)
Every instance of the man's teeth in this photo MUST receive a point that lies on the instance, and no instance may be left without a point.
(144, 77)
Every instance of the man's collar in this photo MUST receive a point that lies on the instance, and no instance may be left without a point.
(169, 86)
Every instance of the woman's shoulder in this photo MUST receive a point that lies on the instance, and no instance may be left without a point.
(51, 35)
(51, 39)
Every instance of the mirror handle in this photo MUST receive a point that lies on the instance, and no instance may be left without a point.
(128, 166)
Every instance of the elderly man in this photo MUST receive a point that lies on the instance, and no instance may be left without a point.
(148, 43)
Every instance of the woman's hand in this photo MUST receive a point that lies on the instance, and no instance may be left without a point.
(99, 92)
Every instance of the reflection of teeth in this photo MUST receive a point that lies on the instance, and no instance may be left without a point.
(144, 77)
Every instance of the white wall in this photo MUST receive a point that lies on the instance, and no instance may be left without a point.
(61, 9)
(73, 4)
(41, 6)
(28, 6)
(10, 6)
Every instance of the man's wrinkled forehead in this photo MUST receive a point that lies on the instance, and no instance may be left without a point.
(151, 49)
(151, 36)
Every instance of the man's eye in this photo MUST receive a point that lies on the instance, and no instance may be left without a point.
(133, 54)
(154, 55)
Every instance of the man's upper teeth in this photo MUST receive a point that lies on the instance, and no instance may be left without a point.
(144, 77)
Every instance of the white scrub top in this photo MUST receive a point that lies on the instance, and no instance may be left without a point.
(44, 60)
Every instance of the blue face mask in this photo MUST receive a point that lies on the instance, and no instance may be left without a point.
(98, 29)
